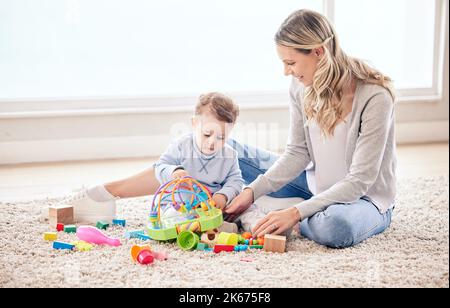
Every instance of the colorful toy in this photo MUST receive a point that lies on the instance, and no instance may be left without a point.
(60, 214)
(143, 254)
(59, 227)
(70, 229)
(95, 236)
(202, 246)
(136, 249)
(210, 237)
(145, 257)
(256, 247)
(274, 243)
(50, 236)
(193, 204)
(134, 234)
(161, 255)
(227, 239)
(82, 245)
(143, 237)
(187, 240)
(61, 245)
(247, 235)
(119, 222)
(102, 225)
(240, 248)
(220, 248)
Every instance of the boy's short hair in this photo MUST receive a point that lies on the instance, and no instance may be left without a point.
(221, 106)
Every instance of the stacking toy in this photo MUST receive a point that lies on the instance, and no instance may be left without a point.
(95, 236)
(136, 249)
(145, 257)
(187, 240)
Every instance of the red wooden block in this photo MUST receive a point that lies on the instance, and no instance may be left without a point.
(60, 227)
(219, 248)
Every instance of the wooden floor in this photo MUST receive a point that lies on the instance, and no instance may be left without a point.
(55, 179)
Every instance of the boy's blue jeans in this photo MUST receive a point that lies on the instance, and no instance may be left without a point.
(339, 226)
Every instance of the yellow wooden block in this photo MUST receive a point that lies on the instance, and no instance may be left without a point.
(82, 246)
(50, 236)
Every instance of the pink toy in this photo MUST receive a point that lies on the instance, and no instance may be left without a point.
(145, 257)
(95, 236)
(161, 256)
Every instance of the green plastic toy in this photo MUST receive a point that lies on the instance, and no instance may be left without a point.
(192, 201)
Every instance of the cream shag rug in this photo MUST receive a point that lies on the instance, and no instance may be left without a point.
(413, 252)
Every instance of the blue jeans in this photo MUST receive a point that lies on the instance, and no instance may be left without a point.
(339, 226)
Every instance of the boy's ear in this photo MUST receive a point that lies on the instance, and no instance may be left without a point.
(193, 120)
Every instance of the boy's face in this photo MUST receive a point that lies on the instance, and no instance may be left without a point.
(210, 133)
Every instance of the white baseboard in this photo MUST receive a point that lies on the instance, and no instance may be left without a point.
(17, 152)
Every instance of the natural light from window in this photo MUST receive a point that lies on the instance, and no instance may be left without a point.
(140, 48)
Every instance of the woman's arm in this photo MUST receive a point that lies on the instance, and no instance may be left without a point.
(296, 156)
(376, 121)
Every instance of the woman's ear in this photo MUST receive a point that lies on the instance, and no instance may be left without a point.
(319, 52)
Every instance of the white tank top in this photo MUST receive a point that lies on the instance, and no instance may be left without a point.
(329, 156)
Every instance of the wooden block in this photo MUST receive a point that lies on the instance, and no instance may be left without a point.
(102, 225)
(119, 222)
(50, 236)
(274, 243)
(60, 214)
(61, 245)
(70, 229)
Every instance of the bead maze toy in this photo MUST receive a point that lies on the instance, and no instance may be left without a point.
(191, 205)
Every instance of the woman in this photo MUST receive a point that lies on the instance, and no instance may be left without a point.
(341, 142)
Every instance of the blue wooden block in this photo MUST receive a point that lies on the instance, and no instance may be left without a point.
(119, 222)
(61, 245)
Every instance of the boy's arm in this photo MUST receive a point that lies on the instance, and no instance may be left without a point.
(233, 183)
(169, 162)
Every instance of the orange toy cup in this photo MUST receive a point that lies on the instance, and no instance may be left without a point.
(136, 249)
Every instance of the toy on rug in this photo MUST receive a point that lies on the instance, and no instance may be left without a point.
(95, 236)
(182, 205)
(144, 255)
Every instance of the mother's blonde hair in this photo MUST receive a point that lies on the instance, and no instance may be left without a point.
(307, 30)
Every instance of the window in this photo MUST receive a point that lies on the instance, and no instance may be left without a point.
(398, 37)
(139, 48)
(89, 48)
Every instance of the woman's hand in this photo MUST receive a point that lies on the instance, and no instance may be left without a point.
(179, 173)
(240, 204)
(220, 200)
(277, 222)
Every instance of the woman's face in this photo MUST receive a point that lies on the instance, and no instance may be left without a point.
(299, 65)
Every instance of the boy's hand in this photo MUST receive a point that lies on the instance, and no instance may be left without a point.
(179, 173)
(240, 204)
(220, 200)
